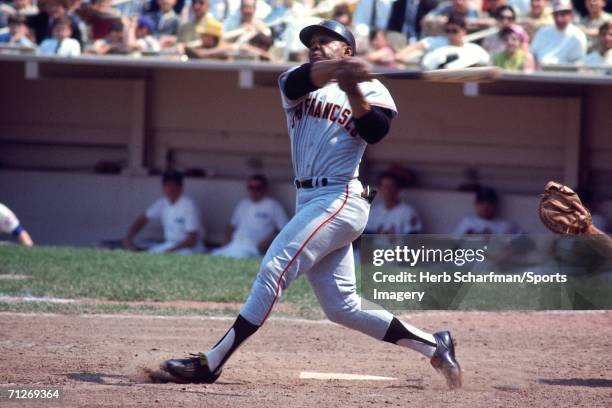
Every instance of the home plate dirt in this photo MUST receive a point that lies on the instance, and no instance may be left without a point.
(509, 359)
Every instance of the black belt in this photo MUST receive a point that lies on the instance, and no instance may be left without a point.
(311, 183)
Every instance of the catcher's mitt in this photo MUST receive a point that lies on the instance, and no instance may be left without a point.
(561, 210)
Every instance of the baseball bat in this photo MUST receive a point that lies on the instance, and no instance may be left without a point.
(476, 74)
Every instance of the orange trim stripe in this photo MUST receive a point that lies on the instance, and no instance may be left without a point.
(299, 251)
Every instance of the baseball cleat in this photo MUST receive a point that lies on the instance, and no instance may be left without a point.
(444, 360)
(191, 370)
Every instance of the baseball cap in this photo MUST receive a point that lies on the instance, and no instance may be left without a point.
(213, 28)
(517, 30)
(486, 195)
(562, 5)
(147, 22)
(330, 27)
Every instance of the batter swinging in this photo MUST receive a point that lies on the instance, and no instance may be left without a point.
(330, 123)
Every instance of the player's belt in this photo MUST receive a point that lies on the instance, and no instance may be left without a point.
(311, 183)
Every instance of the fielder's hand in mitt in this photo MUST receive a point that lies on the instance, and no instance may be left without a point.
(561, 210)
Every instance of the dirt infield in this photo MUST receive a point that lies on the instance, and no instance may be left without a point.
(509, 359)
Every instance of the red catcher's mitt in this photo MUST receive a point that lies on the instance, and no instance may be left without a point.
(561, 210)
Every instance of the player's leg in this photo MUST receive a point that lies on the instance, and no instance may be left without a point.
(310, 235)
(333, 281)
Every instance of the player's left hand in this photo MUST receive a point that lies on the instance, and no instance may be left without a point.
(351, 72)
(356, 68)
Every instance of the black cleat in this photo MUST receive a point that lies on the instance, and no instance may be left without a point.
(191, 370)
(444, 360)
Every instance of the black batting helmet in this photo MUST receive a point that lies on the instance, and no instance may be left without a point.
(331, 27)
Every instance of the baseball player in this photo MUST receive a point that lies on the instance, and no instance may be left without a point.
(255, 222)
(485, 221)
(333, 111)
(9, 224)
(392, 216)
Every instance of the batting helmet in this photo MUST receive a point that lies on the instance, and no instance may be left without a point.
(331, 27)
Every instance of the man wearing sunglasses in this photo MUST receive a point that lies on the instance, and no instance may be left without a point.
(333, 112)
(561, 43)
(448, 51)
(255, 222)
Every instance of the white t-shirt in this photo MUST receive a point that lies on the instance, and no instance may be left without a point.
(438, 49)
(551, 46)
(595, 58)
(472, 224)
(401, 219)
(69, 48)
(8, 220)
(178, 219)
(254, 221)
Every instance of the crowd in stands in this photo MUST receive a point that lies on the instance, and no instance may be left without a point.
(517, 35)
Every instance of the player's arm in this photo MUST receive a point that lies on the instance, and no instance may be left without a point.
(262, 246)
(25, 238)
(135, 228)
(229, 233)
(372, 122)
(189, 242)
(599, 241)
(309, 77)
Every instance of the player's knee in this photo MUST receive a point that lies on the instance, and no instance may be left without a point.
(341, 314)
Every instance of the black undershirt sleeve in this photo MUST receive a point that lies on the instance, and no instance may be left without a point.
(298, 83)
(374, 125)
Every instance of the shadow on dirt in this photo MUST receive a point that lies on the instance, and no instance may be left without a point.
(579, 382)
(100, 378)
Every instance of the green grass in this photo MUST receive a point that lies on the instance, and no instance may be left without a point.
(124, 276)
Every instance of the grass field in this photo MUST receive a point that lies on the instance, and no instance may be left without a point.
(120, 276)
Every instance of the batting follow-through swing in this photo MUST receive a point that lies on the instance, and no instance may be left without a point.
(333, 111)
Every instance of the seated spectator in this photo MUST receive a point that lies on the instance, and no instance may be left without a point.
(505, 16)
(561, 43)
(243, 25)
(210, 44)
(381, 53)
(18, 32)
(179, 216)
(61, 43)
(435, 21)
(99, 15)
(255, 222)
(539, 16)
(450, 51)
(201, 18)
(514, 57)
(591, 23)
(9, 224)
(250, 34)
(224, 9)
(24, 7)
(165, 19)
(140, 35)
(113, 43)
(43, 22)
(342, 14)
(603, 53)
(153, 6)
(285, 17)
(392, 216)
(485, 221)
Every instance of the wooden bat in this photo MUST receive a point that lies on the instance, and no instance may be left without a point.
(476, 74)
